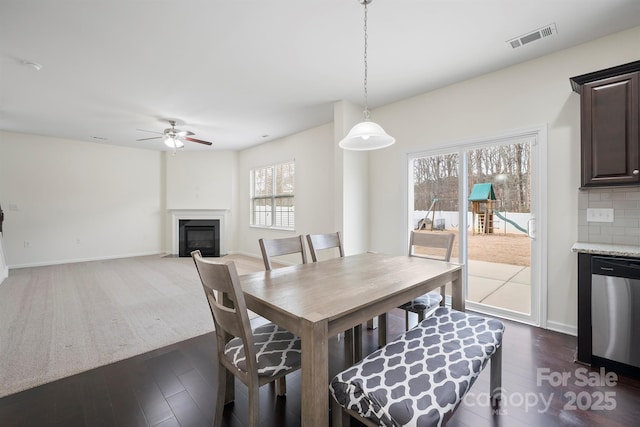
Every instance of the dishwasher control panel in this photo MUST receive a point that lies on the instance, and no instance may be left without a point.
(616, 267)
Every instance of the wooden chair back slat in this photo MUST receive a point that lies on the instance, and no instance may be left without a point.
(318, 242)
(278, 247)
(435, 245)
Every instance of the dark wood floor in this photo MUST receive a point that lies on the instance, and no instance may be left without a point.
(174, 386)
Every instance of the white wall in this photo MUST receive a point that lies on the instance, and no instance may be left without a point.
(71, 200)
(313, 152)
(200, 179)
(530, 94)
(197, 180)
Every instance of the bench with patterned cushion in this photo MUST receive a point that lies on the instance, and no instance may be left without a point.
(420, 378)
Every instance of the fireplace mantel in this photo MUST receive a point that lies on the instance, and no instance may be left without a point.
(178, 214)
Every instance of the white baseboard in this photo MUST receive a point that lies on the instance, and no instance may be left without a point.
(71, 261)
(4, 269)
(4, 273)
(562, 327)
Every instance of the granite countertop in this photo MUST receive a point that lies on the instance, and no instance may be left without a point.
(606, 249)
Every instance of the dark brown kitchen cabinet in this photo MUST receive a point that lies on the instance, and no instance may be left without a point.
(610, 138)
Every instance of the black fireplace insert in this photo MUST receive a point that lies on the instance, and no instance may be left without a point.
(202, 234)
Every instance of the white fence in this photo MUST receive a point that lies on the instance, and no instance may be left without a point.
(452, 220)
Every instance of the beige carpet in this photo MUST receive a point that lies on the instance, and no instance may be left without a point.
(56, 321)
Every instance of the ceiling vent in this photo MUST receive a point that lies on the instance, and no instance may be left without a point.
(538, 34)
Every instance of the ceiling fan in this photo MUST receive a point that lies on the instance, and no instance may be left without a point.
(173, 138)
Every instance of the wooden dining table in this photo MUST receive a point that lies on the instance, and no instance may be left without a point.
(319, 300)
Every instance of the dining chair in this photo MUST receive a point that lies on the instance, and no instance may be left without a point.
(277, 247)
(436, 246)
(254, 356)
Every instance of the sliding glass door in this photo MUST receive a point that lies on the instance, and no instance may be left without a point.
(487, 193)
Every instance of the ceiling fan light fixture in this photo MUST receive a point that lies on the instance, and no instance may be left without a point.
(174, 138)
(173, 142)
(366, 135)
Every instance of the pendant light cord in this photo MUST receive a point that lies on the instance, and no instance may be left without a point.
(366, 67)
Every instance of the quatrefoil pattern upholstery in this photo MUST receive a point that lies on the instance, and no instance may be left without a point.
(422, 375)
(277, 350)
(423, 302)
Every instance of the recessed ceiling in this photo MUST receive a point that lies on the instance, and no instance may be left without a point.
(235, 71)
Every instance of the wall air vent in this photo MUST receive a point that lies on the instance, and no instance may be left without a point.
(532, 36)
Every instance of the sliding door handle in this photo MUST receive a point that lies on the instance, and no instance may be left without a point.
(531, 228)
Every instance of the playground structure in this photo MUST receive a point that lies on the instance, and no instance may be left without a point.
(483, 203)
(483, 200)
(513, 223)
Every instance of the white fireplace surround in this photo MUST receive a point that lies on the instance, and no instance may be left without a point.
(185, 214)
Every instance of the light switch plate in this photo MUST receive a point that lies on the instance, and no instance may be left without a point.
(599, 215)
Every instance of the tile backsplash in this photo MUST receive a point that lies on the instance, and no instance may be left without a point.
(625, 228)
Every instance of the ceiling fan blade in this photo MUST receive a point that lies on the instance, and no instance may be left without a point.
(199, 141)
(152, 131)
(146, 139)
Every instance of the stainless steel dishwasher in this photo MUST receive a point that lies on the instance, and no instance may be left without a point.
(615, 309)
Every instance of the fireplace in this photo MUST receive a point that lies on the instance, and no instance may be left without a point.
(201, 234)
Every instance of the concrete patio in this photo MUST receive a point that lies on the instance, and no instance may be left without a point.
(499, 285)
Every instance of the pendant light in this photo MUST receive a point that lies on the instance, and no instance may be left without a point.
(366, 135)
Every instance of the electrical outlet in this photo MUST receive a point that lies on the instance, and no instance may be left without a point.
(27, 244)
(599, 215)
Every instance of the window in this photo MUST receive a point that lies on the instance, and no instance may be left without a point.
(272, 196)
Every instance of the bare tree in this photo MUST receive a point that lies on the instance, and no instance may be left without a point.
(505, 166)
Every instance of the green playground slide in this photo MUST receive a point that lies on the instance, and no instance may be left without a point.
(504, 218)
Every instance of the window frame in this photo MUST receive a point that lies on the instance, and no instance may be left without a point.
(274, 198)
